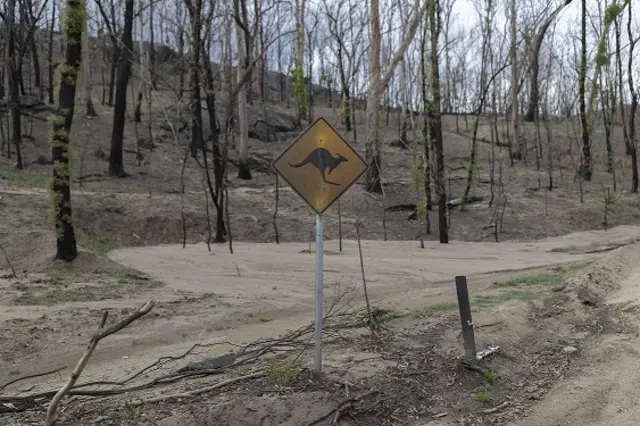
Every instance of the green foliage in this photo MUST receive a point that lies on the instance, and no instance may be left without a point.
(602, 58)
(26, 178)
(421, 208)
(73, 19)
(611, 13)
(484, 398)
(301, 91)
(69, 73)
(284, 375)
(490, 375)
(545, 279)
(492, 300)
(417, 176)
(346, 108)
(435, 308)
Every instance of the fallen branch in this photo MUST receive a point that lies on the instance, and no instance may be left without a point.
(495, 409)
(191, 394)
(466, 364)
(31, 376)
(100, 334)
(245, 355)
(6, 258)
(341, 407)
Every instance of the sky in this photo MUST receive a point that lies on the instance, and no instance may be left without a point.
(464, 20)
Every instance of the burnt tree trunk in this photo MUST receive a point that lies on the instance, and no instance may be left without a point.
(585, 163)
(61, 192)
(195, 15)
(50, 52)
(116, 165)
(217, 193)
(435, 120)
(13, 71)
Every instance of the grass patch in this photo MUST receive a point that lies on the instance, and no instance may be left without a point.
(487, 301)
(435, 308)
(284, 375)
(484, 398)
(575, 267)
(555, 277)
(543, 279)
(490, 375)
(55, 297)
(24, 178)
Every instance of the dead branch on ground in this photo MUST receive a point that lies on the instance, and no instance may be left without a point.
(31, 376)
(251, 353)
(340, 409)
(100, 334)
(191, 394)
(6, 258)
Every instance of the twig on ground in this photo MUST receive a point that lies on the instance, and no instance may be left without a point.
(341, 407)
(195, 392)
(100, 334)
(247, 354)
(495, 409)
(466, 364)
(6, 258)
(31, 376)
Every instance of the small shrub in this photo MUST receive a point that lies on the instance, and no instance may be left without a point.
(284, 375)
(544, 279)
(484, 398)
(490, 375)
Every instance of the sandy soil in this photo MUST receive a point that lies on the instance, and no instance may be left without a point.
(603, 393)
(266, 289)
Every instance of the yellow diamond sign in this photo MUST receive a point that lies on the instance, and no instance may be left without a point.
(320, 165)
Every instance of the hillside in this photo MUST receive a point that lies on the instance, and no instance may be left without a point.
(551, 262)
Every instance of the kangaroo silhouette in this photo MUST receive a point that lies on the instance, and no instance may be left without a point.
(322, 160)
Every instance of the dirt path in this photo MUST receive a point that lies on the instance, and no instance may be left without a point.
(603, 393)
(266, 289)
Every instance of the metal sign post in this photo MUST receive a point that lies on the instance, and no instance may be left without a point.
(317, 360)
(320, 166)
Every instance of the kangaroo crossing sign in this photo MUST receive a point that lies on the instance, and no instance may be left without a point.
(320, 165)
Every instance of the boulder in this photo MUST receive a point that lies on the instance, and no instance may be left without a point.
(263, 125)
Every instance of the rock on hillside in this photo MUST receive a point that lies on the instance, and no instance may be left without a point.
(264, 125)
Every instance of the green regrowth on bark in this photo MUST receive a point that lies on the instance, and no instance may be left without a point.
(301, 92)
(74, 22)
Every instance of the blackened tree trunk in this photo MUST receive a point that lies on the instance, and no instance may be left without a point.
(13, 71)
(115, 52)
(631, 125)
(3, 59)
(585, 159)
(115, 56)
(195, 15)
(435, 119)
(425, 122)
(152, 49)
(217, 192)
(50, 52)
(116, 165)
(60, 186)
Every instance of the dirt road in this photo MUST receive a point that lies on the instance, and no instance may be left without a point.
(265, 289)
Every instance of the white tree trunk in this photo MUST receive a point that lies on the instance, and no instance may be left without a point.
(86, 74)
(377, 84)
